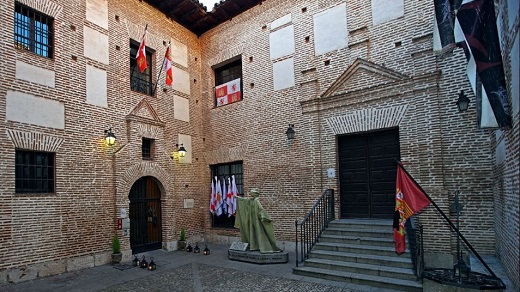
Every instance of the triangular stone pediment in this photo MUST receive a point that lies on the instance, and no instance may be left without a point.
(144, 112)
(362, 74)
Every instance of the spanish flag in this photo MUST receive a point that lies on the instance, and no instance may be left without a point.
(409, 199)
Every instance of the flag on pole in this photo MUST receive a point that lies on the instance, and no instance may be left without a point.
(218, 198)
(443, 41)
(228, 92)
(212, 209)
(409, 199)
(167, 66)
(224, 196)
(231, 201)
(141, 53)
(478, 23)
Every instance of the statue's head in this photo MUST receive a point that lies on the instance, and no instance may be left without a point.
(254, 192)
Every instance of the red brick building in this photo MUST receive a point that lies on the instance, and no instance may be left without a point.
(357, 80)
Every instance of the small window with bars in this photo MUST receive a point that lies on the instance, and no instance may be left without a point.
(223, 172)
(34, 172)
(147, 148)
(141, 82)
(33, 31)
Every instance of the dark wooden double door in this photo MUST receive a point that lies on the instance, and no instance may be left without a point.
(367, 170)
(145, 215)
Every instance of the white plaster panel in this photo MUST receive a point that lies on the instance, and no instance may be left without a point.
(30, 109)
(96, 86)
(386, 10)
(185, 140)
(515, 77)
(179, 53)
(181, 80)
(281, 42)
(283, 74)
(512, 12)
(95, 45)
(181, 108)
(34, 74)
(330, 30)
(97, 12)
(281, 21)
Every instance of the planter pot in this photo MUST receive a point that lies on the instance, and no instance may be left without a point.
(116, 258)
(181, 244)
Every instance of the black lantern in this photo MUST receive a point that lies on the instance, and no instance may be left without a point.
(462, 102)
(182, 151)
(189, 248)
(152, 266)
(290, 132)
(110, 138)
(136, 261)
(206, 250)
(144, 263)
(197, 248)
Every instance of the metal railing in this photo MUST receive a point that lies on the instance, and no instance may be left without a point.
(313, 224)
(415, 241)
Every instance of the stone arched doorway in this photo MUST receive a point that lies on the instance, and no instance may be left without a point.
(145, 215)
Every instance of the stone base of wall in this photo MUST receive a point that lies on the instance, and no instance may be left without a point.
(40, 270)
(432, 286)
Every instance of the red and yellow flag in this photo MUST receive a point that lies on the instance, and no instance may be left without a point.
(409, 199)
(167, 67)
(141, 54)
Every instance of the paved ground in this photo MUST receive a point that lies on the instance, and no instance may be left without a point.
(183, 271)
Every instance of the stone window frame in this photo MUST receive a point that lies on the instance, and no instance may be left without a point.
(35, 169)
(33, 31)
(223, 171)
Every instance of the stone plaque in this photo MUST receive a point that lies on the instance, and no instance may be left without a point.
(239, 246)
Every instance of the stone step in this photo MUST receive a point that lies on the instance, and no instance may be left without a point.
(359, 279)
(356, 231)
(362, 240)
(366, 269)
(362, 223)
(361, 249)
(392, 261)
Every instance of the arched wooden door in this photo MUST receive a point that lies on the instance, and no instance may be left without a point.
(145, 215)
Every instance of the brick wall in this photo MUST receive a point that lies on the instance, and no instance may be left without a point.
(388, 68)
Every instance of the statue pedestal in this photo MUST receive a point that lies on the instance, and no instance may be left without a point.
(257, 257)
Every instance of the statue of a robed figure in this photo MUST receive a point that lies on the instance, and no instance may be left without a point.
(256, 227)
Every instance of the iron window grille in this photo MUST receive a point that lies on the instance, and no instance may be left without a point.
(224, 171)
(33, 31)
(141, 82)
(34, 172)
(147, 149)
(228, 72)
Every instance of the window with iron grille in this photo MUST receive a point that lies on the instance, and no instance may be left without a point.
(33, 31)
(223, 172)
(228, 82)
(34, 172)
(147, 148)
(141, 82)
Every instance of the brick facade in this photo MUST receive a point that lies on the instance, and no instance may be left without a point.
(385, 77)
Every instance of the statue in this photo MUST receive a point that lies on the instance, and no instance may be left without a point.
(255, 224)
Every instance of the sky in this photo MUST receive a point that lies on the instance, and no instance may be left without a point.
(209, 4)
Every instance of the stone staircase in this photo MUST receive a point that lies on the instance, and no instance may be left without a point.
(361, 252)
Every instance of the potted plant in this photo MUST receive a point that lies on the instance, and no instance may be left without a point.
(117, 256)
(181, 244)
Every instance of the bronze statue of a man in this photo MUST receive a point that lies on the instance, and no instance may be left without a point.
(255, 224)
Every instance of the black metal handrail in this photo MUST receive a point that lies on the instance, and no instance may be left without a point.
(313, 224)
(415, 241)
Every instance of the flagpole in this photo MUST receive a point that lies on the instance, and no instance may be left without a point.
(399, 164)
(160, 71)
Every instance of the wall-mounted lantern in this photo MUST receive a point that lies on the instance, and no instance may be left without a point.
(290, 132)
(182, 151)
(463, 102)
(110, 138)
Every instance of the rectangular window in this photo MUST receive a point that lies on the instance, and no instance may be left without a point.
(141, 82)
(34, 172)
(147, 148)
(33, 31)
(223, 172)
(228, 83)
